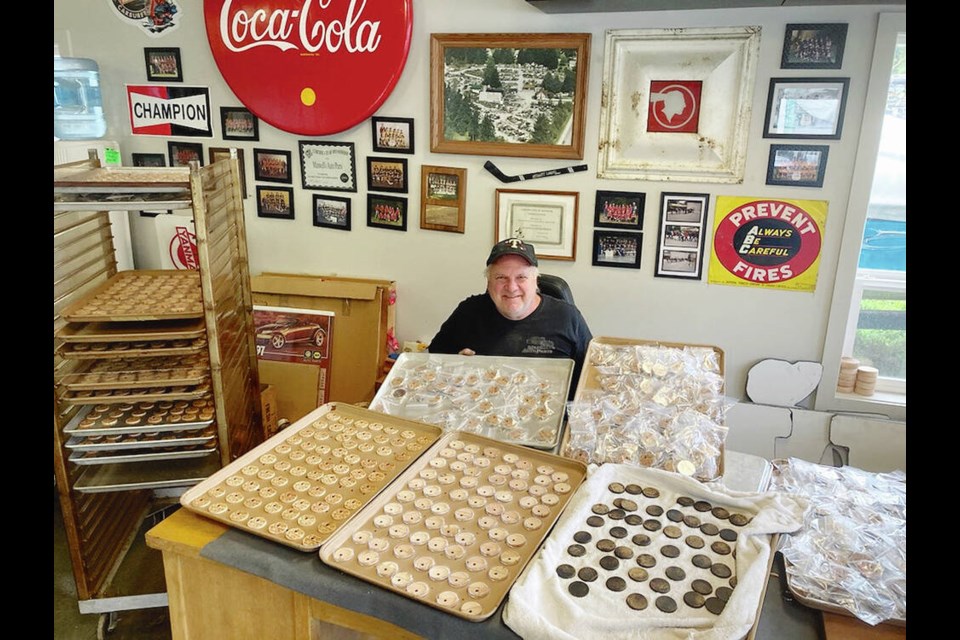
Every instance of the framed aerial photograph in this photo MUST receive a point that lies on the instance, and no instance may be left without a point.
(806, 108)
(392, 135)
(545, 219)
(163, 64)
(328, 166)
(181, 153)
(516, 94)
(797, 165)
(387, 212)
(680, 244)
(237, 123)
(443, 196)
(332, 212)
(813, 46)
(272, 165)
(387, 174)
(617, 249)
(218, 153)
(148, 159)
(619, 210)
(275, 202)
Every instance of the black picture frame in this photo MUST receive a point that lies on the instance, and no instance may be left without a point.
(619, 210)
(332, 212)
(797, 165)
(272, 165)
(275, 202)
(148, 159)
(682, 236)
(238, 123)
(179, 154)
(387, 174)
(813, 45)
(790, 116)
(328, 166)
(163, 64)
(379, 207)
(217, 153)
(392, 135)
(621, 249)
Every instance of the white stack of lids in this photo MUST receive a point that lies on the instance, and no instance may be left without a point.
(848, 374)
(866, 380)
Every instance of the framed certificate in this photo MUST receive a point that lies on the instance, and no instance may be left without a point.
(328, 166)
(545, 219)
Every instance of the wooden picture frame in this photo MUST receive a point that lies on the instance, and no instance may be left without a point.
(392, 135)
(555, 64)
(621, 249)
(443, 197)
(163, 64)
(332, 212)
(148, 159)
(272, 165)
(387, 174)
(328, 166)
(275, 202)
(682, 237)
(808, 108)
(619, 210)
(179, 154)
(218, 153)
(238, 123)
(797, 165)
(813, 46)
(387, 212)
(545, 219)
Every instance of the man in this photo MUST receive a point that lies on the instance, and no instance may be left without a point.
(512, 318)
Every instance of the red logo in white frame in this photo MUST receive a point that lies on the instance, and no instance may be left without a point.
(674, 106)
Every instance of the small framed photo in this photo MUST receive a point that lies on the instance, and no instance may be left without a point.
(275, 202)
(796, 165)
(619, 210)
(617, 249)
(219, 153)
(148, 159)
(443, 194)
(392, 135)
(806, 108)
(813, 46)
(387, 174)
(272, 165)
(328, 166)
(163, 64)
(387, 212)
(332, 212)
(683, 217)
(237, 123)
(181, 154)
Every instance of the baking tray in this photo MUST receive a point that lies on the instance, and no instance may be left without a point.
(510, 399)
(140, 441)
(97, 427)
(136, 379)
(303, 484)
(138, 295)
(132, 332)
(457, 528)
(89, 458)
(152, 394)
(154, 348)
(156, 474)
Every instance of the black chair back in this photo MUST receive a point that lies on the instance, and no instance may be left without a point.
(554, 286)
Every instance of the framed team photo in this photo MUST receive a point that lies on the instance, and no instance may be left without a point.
(386, 212)
(392, 135)
(148, 159)
(813, 46)
(181, 154)
(619, 210)
(272, 165)
(617, 249)
(331, 212)
(237, 123)
(275, 202)
(797, 165)
(387, 174)
(163, 64)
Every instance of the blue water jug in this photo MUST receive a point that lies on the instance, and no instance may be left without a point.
(77, 107)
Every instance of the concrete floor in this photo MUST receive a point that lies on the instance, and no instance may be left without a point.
(140, 573)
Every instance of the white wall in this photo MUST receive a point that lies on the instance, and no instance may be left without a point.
(434, 270)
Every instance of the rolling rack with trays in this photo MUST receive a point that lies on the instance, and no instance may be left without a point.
(155, 372)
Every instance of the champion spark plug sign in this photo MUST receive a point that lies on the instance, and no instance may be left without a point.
(310, 67)
(767, 243)
(162, 110)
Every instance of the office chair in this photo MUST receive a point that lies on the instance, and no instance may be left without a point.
(554, 286)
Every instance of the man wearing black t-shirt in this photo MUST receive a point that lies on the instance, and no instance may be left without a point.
(512, 318)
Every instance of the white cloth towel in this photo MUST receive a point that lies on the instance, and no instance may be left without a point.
(540, 606)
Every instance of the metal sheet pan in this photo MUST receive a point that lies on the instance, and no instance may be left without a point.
(127, 332)
(76, 443)
(90, 458)
(99, 429)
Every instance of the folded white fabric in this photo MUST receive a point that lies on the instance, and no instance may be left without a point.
(540, 604)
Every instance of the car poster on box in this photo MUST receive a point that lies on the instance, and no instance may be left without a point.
(301, 336)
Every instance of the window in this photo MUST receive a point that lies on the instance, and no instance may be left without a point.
(868, 315)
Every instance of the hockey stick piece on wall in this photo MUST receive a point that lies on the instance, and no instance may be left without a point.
(502, 177)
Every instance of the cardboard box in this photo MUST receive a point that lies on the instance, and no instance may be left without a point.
(364, 318)
(268, 409)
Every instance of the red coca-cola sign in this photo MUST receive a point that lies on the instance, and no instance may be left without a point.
(310, 67)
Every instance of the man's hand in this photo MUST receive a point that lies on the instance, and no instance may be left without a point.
(467, 352)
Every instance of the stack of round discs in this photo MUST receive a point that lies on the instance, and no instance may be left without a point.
(866, 380)
(848, 374)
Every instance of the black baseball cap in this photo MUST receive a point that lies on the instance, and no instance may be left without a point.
(514, 246)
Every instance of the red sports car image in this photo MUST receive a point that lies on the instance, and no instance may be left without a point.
(287, 329)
